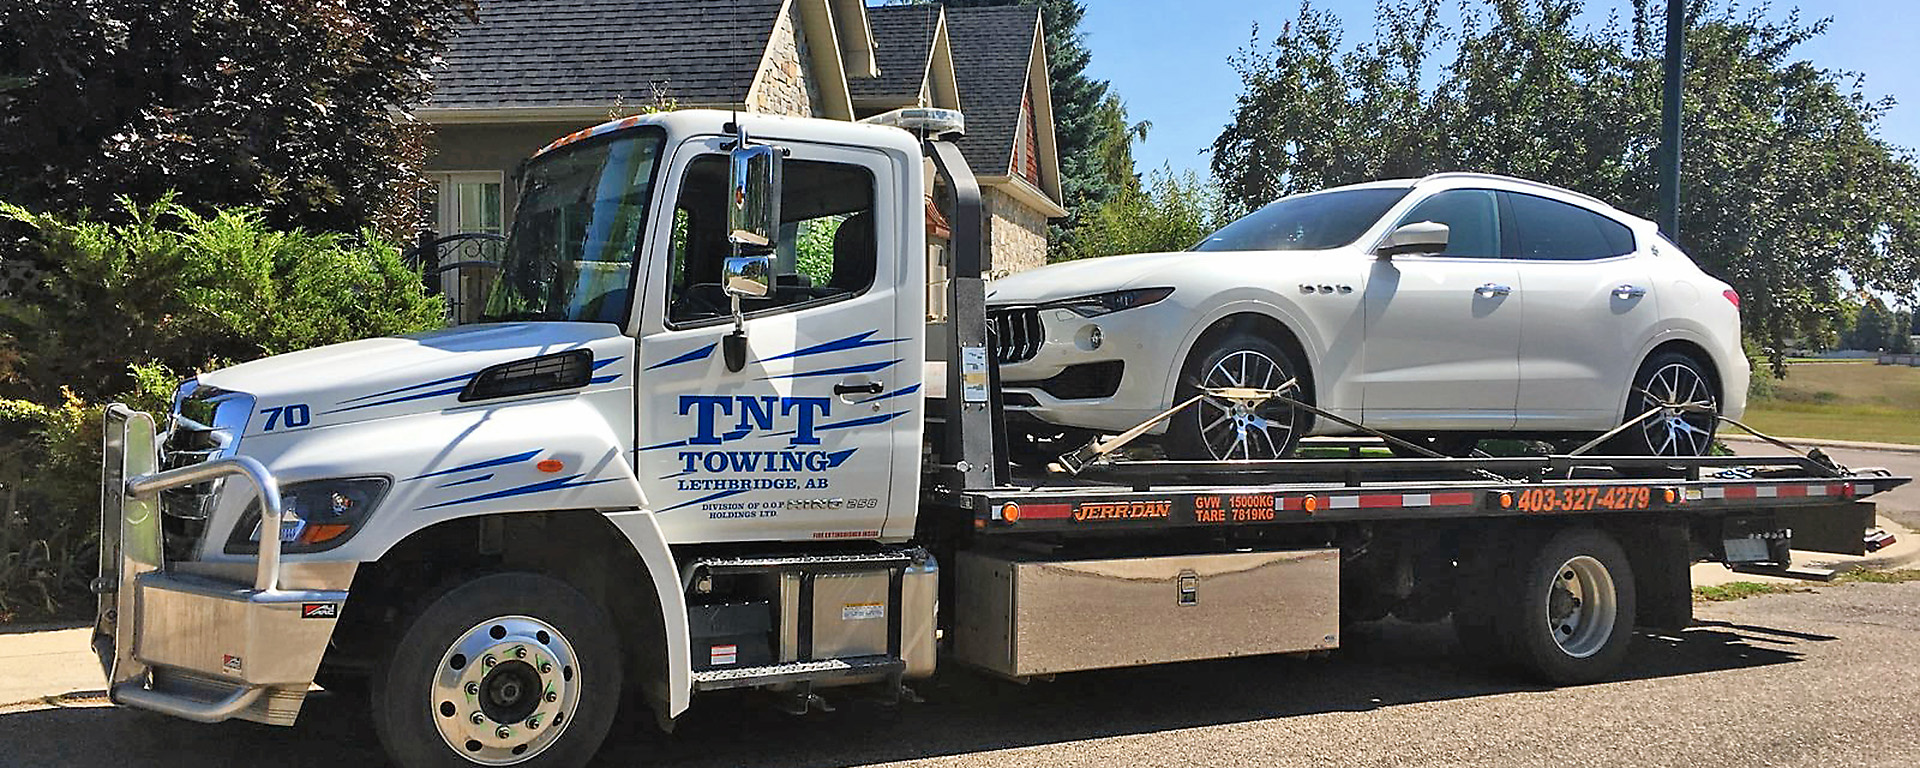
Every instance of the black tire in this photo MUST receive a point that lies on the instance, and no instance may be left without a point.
(1186, 432)
(1454, 444)
(1673, 433)
(404, 685)
(1572, 577)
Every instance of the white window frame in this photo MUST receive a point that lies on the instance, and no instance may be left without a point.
(446, 208)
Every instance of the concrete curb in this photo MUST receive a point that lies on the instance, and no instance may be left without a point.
(1823, 443)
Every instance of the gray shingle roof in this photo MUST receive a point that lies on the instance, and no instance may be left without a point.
(991, 49)
(902, 39)
(530, 53)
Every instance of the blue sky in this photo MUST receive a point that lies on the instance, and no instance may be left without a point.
(1168, 59)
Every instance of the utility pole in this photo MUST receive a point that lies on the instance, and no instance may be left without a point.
(1670, 122)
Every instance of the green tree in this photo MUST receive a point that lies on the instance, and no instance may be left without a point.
(293, 107)
(1786, 185)
(1171, 211)
(1872, 327)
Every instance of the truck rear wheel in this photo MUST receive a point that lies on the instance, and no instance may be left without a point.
(1566, 613)
(506, 669)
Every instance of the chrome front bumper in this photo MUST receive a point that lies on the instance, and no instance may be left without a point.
(186, 645)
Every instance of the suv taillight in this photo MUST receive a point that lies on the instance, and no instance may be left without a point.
(1733, 296)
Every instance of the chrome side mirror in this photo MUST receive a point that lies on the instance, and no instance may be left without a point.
(747, 277)
(753, 198)
(1418, 237)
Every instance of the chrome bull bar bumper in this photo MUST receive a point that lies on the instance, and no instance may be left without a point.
(191, 646)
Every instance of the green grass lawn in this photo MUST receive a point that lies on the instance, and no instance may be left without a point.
(1842, 401)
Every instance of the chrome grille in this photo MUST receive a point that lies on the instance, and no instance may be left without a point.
(1016, 334)
(206, 424)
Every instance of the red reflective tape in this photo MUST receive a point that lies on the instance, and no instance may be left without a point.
(1379, 500)
(1742, 492)
(1293, 503)
(1454, 499)
(1838, 489)
(1792, 490)
(1046, 511)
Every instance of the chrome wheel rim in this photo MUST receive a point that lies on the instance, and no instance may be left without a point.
(1581, 607)
(505, 690)
(1233, 430)
(1677, 431)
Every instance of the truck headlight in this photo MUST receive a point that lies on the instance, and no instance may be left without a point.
(316, 515)
(1113, 301)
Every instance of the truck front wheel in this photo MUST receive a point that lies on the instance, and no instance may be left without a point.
(1567, 611)
(505, 669)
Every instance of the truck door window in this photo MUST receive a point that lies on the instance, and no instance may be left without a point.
(828, 249)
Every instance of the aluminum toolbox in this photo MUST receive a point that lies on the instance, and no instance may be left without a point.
(1034, 617)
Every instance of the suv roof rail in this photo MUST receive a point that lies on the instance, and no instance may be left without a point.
(1512, 180)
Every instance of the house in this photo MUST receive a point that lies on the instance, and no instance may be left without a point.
(529, 71)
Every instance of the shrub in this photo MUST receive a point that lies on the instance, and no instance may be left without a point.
(122, 312)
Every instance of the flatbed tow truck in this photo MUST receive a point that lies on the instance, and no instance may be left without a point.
(682, 459)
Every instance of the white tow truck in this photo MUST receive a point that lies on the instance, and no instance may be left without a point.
(713, 434)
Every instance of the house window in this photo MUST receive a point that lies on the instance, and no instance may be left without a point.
(470, 201)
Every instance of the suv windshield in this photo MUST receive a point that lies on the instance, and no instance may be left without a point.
(1312, 222)
(581, 212)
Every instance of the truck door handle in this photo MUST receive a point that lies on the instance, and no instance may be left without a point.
(847, 390)
(1629, 291)
(1491, 290)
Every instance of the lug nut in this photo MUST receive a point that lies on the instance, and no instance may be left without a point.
(477, 718)
(533, 722)
(503, 732)
(520, 652)
(546, 667)
(488, 661)
(552, 697)
(473, 688)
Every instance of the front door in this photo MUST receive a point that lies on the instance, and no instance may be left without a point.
(1443, 331)
(799, 444)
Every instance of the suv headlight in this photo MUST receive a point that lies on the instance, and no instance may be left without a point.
(1113, 301)
(315, 516)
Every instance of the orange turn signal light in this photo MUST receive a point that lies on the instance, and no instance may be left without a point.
(550, 466)
(321, 533)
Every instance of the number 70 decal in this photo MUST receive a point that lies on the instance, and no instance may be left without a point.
(289, 416)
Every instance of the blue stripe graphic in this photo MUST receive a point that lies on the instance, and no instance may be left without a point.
(863, 422)
(708, 497)
(599, 364)
(698, 354)
(518, 457)
(674, 444)
(448, 380)
(861, 368)
(555, 484)
(602, 379)
(402, 399)
(895, 393)
(476, 479)
(855, 341)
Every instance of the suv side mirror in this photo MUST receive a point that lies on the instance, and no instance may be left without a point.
(1417, 237)
(753, 198)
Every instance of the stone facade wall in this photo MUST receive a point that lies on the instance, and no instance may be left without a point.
(1016, 234)
(784, 85)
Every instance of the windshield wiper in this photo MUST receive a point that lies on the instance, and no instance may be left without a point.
(513, 317)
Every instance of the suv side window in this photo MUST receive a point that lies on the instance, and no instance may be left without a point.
(828, 246)
(1550, 230)
(1472, 217)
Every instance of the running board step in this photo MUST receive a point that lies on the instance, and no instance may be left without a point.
(801, 671)
(1805, 573)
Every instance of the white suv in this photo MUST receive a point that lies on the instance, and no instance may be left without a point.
(1529, 310)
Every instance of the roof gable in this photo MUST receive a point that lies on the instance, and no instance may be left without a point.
(903, 37)
(548, 53)
(992, 47)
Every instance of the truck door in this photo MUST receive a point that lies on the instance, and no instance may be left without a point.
(799, 444)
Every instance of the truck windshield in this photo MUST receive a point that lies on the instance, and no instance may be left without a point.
(581, 213)
(1312, 222)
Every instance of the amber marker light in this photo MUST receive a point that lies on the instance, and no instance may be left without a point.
(550, 466)
(1670, 495)
(1010, 512)
(1506, 499)
(1310, 503)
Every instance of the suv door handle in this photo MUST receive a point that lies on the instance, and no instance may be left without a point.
(1629, 291)
(1491, 290)
(848, 390)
